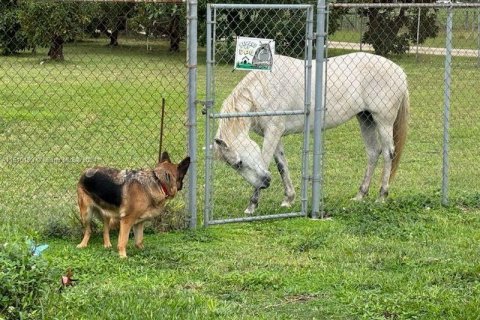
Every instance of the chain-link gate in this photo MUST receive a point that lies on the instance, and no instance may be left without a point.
(83, 83)
(247, 115)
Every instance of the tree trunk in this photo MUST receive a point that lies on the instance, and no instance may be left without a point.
(174, 33)
(56, 48)
(113, 35)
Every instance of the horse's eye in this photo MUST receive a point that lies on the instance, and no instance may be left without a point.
(238, 165)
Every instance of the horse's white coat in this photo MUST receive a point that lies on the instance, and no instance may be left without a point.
(357, 83)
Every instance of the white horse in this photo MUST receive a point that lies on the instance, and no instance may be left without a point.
(370, 87)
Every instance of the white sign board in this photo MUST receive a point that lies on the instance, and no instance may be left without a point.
(254, 54)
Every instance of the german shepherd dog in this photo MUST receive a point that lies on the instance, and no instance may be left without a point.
(128, 197)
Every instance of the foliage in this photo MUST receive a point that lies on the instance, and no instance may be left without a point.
(51, 23)
(390, 30)
(110, 19)
(161, 21)
(281, 25)
(24, 281)
(428, 26)
(11, 38)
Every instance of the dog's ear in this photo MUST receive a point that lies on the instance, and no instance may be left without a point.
(165, 157)
(182, 169)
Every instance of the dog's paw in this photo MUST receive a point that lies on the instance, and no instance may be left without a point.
(81, 245)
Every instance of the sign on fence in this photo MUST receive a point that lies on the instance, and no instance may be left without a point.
(254, 53)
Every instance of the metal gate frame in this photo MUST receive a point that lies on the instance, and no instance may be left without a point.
(212, 115)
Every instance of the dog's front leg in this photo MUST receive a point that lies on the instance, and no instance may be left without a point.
(125, 227)
(138, 233)
(86, 236)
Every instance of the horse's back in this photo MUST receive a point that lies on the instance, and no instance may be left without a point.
(364, 67)
(355, 82)
(358, 82)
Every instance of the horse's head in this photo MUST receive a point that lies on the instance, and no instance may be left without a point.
(246, 159)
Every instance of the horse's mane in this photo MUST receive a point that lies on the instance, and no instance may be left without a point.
(238, 101)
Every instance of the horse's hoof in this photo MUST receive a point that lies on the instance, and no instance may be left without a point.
(249, 211)
(357, 198)
(286, 204)
(380, 200)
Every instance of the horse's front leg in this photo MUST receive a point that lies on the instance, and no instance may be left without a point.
(282, 167)
(253, 202)
(271, 140)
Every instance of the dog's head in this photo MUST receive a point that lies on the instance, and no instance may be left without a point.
(171, 175)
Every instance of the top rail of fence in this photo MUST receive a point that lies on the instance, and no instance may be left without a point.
(260, 6)
(130, 1)
(405, 5)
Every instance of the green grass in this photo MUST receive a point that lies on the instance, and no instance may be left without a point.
(408, 258)
(369, 262)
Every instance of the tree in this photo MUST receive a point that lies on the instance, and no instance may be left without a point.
(12, 39)
(111, 18)
(390, 30)
(161, 20)
(281, 25)
(51, 24)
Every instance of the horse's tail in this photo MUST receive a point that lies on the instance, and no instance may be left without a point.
(400, 129)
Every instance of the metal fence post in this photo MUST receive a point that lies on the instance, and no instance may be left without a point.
(418, 34)
(192, 19)
(308, 104)
(478, 37)
(208, 103)
(446, 112)
(317, 187)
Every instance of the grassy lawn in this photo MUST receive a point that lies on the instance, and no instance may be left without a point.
(371, 262)
(408, 258)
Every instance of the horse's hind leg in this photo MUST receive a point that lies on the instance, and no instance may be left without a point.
(388, 150)
(368, 128)
(282, 167)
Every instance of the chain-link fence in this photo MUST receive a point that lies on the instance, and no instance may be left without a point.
(441, 60)
(83, 83)
(248, 114)
(430, 70)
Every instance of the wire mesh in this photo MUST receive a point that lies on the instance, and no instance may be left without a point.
(81, 84)
(251, 115)
(414, 37)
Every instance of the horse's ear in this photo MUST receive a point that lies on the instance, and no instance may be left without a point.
(165, 157)
(221, 143)
(224, 152)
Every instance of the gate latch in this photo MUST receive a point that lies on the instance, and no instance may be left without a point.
(207, 104)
